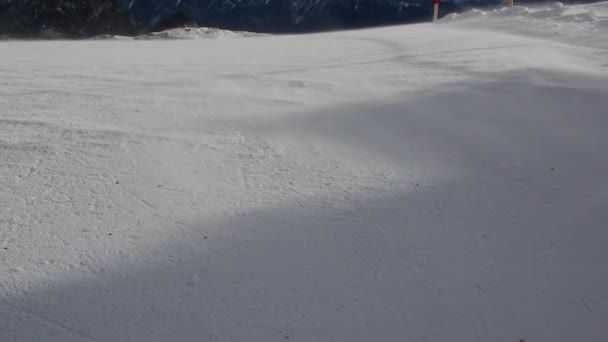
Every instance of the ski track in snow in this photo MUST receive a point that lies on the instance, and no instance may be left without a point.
(418, 183)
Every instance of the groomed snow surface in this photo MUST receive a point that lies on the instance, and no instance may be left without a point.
(437, 183)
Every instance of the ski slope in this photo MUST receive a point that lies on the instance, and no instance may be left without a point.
(428, 182)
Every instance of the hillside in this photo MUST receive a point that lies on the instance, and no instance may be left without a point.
(431, 182)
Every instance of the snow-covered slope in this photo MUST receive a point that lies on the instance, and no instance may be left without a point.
(419, 183)
(577, 24)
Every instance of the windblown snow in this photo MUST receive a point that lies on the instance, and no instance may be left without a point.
(428, 182)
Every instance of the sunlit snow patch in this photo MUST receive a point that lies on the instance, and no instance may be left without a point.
(196, 33)
(574, 24)
(186, 33)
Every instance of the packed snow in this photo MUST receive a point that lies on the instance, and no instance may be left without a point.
(433, 182)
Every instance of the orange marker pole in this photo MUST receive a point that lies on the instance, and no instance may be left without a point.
(436, 10)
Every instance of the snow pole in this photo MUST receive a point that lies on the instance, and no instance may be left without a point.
(509, 3)
(436, 9)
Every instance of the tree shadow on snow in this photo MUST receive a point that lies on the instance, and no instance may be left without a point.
(510, 246)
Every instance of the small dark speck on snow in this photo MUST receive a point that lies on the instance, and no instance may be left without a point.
(110, 234)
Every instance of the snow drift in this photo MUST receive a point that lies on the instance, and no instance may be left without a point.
(576, 24)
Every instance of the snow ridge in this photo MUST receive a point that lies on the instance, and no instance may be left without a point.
(576, 24)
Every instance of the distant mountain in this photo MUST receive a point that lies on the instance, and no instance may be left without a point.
(71, 18)
(82, 18)
(287, 15)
